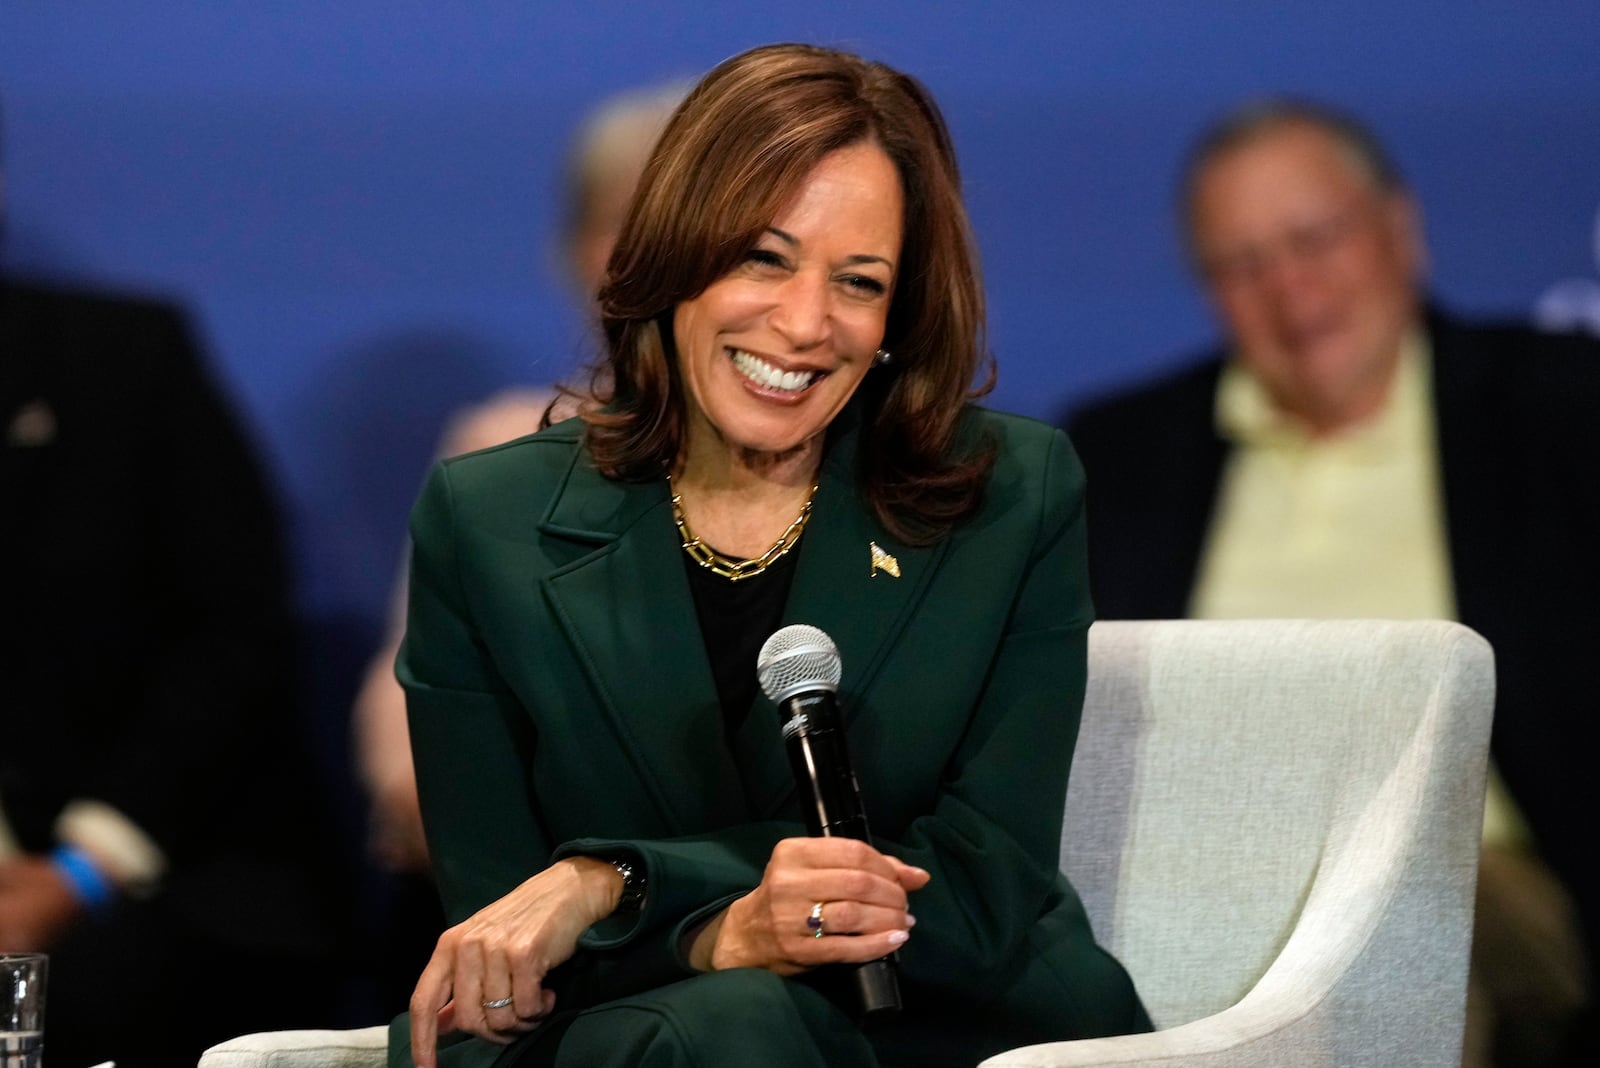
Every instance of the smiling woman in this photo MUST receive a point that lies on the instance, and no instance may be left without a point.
(743, 153)
(772, 351)
(614, 829)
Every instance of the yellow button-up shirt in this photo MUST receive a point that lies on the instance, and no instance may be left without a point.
(1349, 525)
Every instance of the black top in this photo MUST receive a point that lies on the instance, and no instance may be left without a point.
(736, 618)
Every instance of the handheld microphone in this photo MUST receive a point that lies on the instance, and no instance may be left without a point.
(799, 669)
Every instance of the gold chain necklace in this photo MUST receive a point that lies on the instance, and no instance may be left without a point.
(726, 566)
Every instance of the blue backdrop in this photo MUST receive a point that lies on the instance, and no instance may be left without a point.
(356, 199)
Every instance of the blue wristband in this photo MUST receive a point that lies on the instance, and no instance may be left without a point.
(89, 885)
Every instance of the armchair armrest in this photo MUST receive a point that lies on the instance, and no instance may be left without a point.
(363, 1047)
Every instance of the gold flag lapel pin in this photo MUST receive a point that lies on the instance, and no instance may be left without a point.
(882, 561)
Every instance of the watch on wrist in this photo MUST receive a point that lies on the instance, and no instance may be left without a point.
(633, 885)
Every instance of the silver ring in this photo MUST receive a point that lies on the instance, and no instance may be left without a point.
(814, 921)
(497, 1003)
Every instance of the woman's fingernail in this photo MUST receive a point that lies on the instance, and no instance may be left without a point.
(911, 921)
(898, 937)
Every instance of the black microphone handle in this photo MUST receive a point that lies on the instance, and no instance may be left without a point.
(830, 798)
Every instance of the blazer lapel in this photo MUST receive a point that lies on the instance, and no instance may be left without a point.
(627, 610)
(837, 590)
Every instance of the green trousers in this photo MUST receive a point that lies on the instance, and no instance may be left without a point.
(741, 1017)
(748, 1016)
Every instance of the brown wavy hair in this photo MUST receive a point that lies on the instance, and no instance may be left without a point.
(732, 158)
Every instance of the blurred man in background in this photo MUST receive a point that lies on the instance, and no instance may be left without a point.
(156, 818)
(1354, 451)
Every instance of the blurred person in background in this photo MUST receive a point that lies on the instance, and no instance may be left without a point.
(1353, 450)
(157, 810)
(603, 167)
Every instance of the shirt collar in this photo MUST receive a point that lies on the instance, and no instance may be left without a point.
(1246, 415)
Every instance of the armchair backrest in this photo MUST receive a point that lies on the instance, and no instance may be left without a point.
(1266, 808)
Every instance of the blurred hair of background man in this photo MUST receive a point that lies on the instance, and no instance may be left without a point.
(1354, 450)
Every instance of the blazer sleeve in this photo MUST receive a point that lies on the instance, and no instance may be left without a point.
(474, 742)
(475, 737)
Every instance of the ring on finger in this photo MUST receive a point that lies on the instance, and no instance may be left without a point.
(814, 921)
(497, 1003)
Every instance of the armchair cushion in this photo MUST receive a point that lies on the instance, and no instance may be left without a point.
(360, 1048)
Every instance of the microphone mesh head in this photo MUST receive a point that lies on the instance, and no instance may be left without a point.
(798, 657)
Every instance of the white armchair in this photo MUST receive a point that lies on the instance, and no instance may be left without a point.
(1274, 825)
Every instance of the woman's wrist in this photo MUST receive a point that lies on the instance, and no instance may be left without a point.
(601, 884)
(703, 943)
(633, 885)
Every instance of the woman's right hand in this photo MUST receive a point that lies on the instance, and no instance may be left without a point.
(863, 896)
(504, 951)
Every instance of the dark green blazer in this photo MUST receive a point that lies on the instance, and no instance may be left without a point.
(561, 701)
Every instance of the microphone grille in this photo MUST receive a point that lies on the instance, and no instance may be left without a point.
(798, 657)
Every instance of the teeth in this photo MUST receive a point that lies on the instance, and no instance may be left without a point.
(764, 374)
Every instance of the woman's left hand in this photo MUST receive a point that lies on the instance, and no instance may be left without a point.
(859, 891)
(503, 953)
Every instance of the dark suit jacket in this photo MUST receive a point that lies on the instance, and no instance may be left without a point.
(561, 702)
(1516, 414)
(146, 661)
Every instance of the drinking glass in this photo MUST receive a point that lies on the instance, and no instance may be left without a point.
(22, 977)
